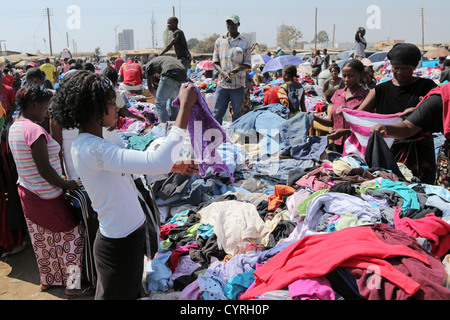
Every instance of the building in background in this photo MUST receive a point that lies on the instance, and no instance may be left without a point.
(250, 36)
(126, 39)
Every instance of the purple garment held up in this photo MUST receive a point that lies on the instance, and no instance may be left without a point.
(206, 136)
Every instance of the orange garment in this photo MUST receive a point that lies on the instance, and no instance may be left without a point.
(276, 199)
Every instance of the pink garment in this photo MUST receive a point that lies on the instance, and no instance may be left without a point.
(432, 228)
(352, 103)
(360, 123)
(293, 200)
(190, 292)
(56, 253)
(311, 289)
(316, 180)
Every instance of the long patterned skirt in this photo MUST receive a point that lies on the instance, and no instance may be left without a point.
(443, 172)
(58, 254)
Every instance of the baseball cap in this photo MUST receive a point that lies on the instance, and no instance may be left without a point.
(233, 17)
(366, 62)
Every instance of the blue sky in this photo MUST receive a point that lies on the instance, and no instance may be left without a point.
(25, 27)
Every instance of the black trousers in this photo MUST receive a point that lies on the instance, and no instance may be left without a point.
(120, 265)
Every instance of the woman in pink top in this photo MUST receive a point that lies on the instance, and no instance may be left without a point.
(351, 96)
(56, 233)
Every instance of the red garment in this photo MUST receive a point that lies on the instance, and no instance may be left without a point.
(8, 80)
(275, 95)
(55, 214)
(430, 227)
(131, 72)
(276, 199)
(318, 255)
(430, 277)
(175, 255)
(7, 96)
(165, 229)
(321, 107)
(118, 63)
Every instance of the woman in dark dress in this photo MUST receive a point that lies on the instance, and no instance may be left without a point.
(399, 94)
(431, 115)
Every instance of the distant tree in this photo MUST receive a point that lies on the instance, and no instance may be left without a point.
(288, 36)
(207, 45)
(322, 37)
(167, 35)
(97, 51)
(263, 46)
(192, 43)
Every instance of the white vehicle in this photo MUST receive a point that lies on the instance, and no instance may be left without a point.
(347, 55)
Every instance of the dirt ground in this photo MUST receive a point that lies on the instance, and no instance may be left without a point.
(19, 279)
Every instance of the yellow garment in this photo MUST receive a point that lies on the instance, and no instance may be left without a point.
(49, 70)
(339, 166)
(273, 223)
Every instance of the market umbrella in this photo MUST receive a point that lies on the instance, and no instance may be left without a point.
(260, 58)
(20, 63)
(281, 61)
(206, 65)
(437, 53)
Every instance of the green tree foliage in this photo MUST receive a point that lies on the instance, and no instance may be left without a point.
(207, 45)
(192, 43)
(322, 37)
(288, 36)
(167, 36)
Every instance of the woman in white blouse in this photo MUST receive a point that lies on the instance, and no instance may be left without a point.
(87, 101)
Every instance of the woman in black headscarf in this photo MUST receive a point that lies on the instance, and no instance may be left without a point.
(399, 94)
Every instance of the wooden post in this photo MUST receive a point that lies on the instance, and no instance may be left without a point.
(315, 37)
(49, 31)
(423, 32)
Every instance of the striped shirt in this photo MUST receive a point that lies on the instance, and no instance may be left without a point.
(22, 134)
(229, 53)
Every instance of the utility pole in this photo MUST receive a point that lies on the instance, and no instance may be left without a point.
(67, 39)
(49, 31)
(315, 37)
(173, 11)
(334, 34)
(423, 32)
(115, 31)
(154, 42)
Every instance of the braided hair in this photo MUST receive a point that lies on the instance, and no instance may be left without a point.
(32, 92)
(81, 97)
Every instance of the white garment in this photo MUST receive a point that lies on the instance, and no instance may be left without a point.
(68, 136)
(125, 87)
(236, 224)
(360, 47)
(106, 169)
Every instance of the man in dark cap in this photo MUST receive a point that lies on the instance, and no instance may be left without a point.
(403, 93)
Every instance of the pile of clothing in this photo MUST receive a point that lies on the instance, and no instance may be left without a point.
(287, 219)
